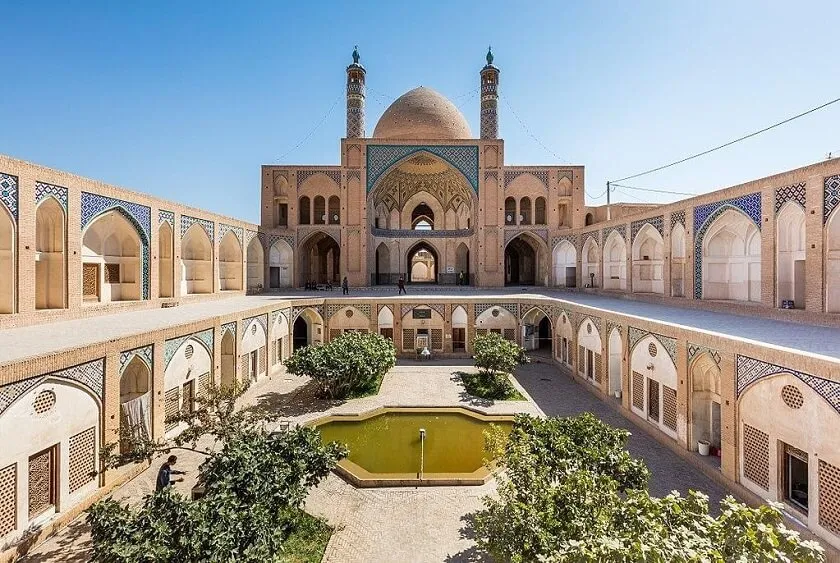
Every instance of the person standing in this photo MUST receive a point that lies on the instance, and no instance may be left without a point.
(461, 277)
(401, 286)
(164, 477)
(345, 288)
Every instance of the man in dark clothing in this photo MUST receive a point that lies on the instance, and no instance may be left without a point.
(401, 286)
(345, 290)
(164, 478)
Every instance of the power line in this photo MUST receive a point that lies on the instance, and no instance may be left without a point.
(528, 131)
(739, 139)
(651, 190)
(631, 195)
(599, 196)
(312, 131)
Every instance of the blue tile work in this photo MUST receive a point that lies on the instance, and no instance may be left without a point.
(795, 192)
(525, 309)
(831, 195)
(511, 308)
(249, 236)
(9, 193)
(610, 326)
(10, 393)
(621, 229)
(303, 175)
(187, 222)
(171, 346)
(146, 354)
(750, 370)
(668, 343)
(43, 191)
(279, 316)
(91, 375)
(381, 157)
(677, 217)
(541, 175)
(571, 238)
(94, 205)
(269, 240)
(705, 215)
(511, 234)
(696, 350)
(636, 226)
(262, 319)
(229, 327)
(296, 311)
(166, 217)
(224, 229)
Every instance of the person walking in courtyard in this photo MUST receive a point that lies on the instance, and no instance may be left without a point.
(401, 285)
(164, 477)
(461, 278)
(345, 288)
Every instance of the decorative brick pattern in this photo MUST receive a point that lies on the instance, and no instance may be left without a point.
(511, 175)
(750, 370)
(334, 333)
(91, 375)
(146, 354)
(166, 217)
(41, 483)
(296, 311)
(187, 222)
(677, 217)
(43, 191)
(792, 397)
(262, 319)
(829, 478)
(437, 339)
(598, 367)
(354, 175)
(512, 308)
(511, 234)
(382, 157)
(10, 393)
(44, 402)
(140, 216)
(9, 193)
(8, 499)
(638, 391)
(636, 226)
(669, 407)
(573, 239)
(509, 334)
(831, 195)
(408, 339)
(203, 384)
(581, 359)
(225, 229)
(757, 456)
(171, 406)
(794, 192)
(205, 337)
(668, 343)
(82, 459)
(696, 350)
(620, 229)
(304, 175)
(705, 215)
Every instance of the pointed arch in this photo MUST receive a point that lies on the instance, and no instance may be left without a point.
(113, 248)
(281, 264)
(462, 263)
(50, 255)
(422, 262)
(8, 261)
(319, 259)
(526, 260)
(590, 347)
(196, 261)
(790, 255)
(230, 263)
(228, 349)
(653, 385)
(304, 213)
(616, 355)
(565, 264)
(704, 374)
(591, 263)
(564, 350)
(166, 264)
(256, 264)
(307, 328)
(648, 261)
(832, 263)
(615, 262)
(678, 256)
(383, 270)
(731, 258)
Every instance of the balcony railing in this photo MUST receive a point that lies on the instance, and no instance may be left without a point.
(410, 233)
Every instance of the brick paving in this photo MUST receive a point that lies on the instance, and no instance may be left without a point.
(408, 525)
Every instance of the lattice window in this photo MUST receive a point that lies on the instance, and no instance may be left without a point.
(335, 333)
(82, 462)
(653, 400)
(757, 457)
(481, 332)
(597, 357)
(188, 351)
(261, 358)
(41, 483)
(792, 397)
(669, 407)
(408, 339)
(90, 280)
(8, 499)
(581, 359)
(829, 516)
(510, 334)
(437, 339)
(203, 384)
(171, 406)
(188, 397)
(387, 333)
(245, 361)
(44, 402)
(638, 390)
(652, 350)
(112, 273)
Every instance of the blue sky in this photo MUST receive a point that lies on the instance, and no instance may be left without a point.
(185, 100)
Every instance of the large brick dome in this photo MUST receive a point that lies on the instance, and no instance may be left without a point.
(422, 113)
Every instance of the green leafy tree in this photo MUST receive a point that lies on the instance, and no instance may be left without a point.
(251, 511)
(570, 492)
(351, 365)
(495, 358)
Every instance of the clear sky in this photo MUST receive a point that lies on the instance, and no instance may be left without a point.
(185, 100)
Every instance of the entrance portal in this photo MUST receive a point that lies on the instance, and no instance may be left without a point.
(422, 261)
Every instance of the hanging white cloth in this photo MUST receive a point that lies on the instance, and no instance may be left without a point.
(136, 412)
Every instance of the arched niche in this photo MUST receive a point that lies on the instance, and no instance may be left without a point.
(112, 268)
(591, 264)
(832, 263)
(135, 408)
(564, 351)
(616, 353)
(648, 261)
(281, 338)
(253, 350)
(589, 363)
(256, 264)
(7, 261)
(678, 263)
(187, 374)
(462, 263)
(526, 214)
(537, 332)
(653, 385)
(196, 261)
(526, 261)
(230, 263)
(281, 265)
(166, 271)
(308, 328)
(790, 255)
(565, 264)
(228, 349)
(320, 259)
(422, 263)
(304, 212)
(615, 262)
(348, 319)
(705, 401)
(539, 211)
(50, 255)
(731, 258)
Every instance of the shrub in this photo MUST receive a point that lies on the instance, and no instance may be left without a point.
(351, 365)
(493, 354)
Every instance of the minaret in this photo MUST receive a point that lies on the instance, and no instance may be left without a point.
(489, 99)
(355, 98)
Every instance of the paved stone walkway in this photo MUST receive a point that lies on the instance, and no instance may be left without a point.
(409, 525)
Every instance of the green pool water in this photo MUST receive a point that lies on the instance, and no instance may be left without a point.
(390, 442)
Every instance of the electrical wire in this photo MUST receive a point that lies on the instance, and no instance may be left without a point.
(739, 139)
(528, 131)
(651, 190)
(312, 131)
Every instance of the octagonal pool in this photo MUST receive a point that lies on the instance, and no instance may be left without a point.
(387, 447)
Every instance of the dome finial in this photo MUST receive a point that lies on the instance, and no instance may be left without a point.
(489, 55)
(356, 56)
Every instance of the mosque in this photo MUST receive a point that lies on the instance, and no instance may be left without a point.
(117, 308)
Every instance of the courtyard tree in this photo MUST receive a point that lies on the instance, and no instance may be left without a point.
(351, 365)
(254, 487)
(495, 358)
(571, 492)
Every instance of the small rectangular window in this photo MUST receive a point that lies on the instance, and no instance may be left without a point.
(795, 469)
